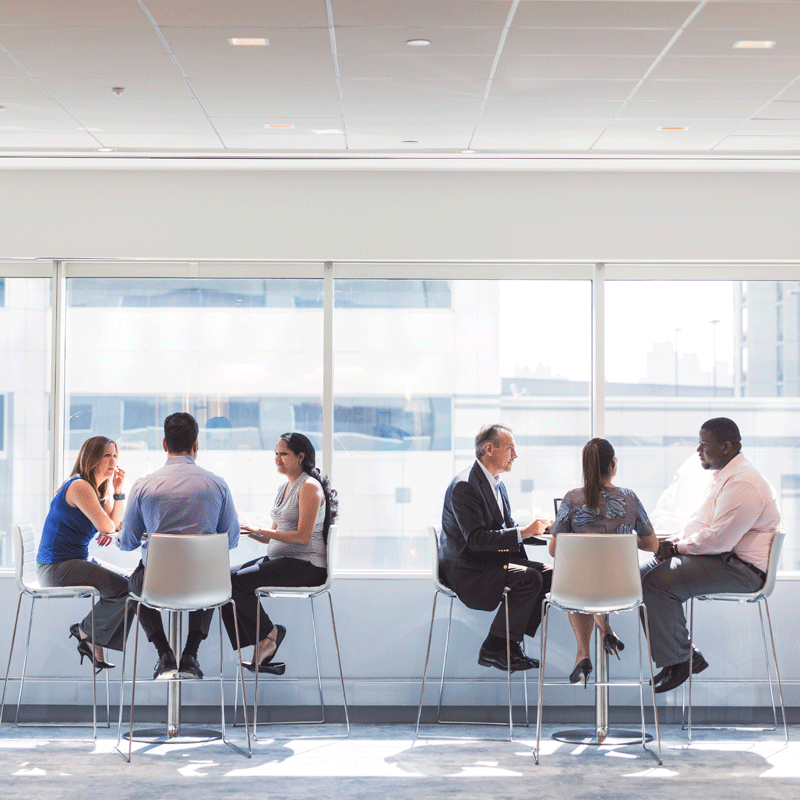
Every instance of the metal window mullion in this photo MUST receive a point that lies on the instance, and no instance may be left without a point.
(57, 388)
(327, 369)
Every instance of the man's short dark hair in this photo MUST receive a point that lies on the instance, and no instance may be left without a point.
(724, 430)
(180, 431)
(489, 433)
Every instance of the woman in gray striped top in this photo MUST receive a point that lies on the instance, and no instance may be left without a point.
(297, 555)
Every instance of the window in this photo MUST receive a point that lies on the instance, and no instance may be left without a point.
(517, 352)
(24, 405)
(660, 390)
(139, 349)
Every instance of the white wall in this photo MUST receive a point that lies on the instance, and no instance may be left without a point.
(399, 215)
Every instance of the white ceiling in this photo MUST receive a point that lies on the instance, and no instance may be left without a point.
(502, 77)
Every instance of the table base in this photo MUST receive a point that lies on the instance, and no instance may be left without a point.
(598, 736)
(160, 736)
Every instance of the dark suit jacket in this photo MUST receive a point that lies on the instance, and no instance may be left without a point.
(477, 541)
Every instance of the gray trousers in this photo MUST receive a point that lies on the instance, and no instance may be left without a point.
(666, 586)
(109, 614)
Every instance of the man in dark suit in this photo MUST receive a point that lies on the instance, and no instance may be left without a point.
(482, 553)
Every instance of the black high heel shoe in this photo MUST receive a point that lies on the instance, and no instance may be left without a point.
(87, 651)
(612, 645)
(583, 667)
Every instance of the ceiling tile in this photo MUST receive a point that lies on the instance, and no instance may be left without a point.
(227, 126)
(389, 93)
(562, 90)
(770, 127)
(727, 68)
(755, 144)
(20, 40)
(515, 108)
(265, 66)
(572, 67)
(720, 43)
(709, 91)
(687, 110)
(415, 65)
(111, 64)
(253, 97)
(44, 115)
(282, 42)
(586, 42)
(599, 14)
(752, 16)
(392, 41)
(258, 15)
(72, 12)
(792, 92)
(420, 13)
(781, 110)
(161, 86)
(19, 88)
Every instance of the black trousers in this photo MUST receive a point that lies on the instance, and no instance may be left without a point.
(152, 624)
(528, 582)
(248, 577)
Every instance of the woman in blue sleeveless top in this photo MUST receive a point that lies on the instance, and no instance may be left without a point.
(90, 502)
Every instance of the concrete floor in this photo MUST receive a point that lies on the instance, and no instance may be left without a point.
(386, 761)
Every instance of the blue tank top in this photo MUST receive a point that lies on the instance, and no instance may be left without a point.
(67, 531)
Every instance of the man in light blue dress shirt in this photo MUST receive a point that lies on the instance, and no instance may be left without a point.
(179, 498)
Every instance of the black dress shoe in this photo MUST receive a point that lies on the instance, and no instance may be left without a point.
(674, 675)
(273, 668)
(165, 666)
(189, 667)
(516, 650)
(497, 658)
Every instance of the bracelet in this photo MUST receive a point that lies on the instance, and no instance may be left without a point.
(119, 497)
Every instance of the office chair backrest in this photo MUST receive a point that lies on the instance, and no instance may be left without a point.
(187, 571)
(23, 542)
(596, 572)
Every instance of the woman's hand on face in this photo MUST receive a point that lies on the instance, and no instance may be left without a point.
(118, 480)
(104, 541)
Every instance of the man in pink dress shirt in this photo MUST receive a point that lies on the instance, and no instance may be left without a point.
(723, 548)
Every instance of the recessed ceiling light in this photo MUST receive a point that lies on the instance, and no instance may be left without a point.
(105, 149)
(418, 42)
(673, 128)
(278, 126)
(466, 152)
(248, 41)
(328, 131)
(746, 44)
(409, 141)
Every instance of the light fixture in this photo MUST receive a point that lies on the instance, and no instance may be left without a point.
(746, 44)
(278, 126)
(117, 90)
(248, 41)
(466, 152)
(418, 42)
(328, 131)
(105, 150)
(409, 141)
(673, 128)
